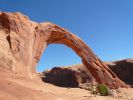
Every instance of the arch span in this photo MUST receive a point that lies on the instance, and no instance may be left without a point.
(48, 33)
(26, 40)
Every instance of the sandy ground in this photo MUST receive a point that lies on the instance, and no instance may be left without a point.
(13, 87)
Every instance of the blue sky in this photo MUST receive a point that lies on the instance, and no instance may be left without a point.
(105, 25)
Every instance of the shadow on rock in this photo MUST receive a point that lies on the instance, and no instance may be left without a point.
(72, 76)
(123, 69)
(60, 77)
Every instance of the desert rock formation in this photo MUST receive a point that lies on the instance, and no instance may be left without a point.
(72, 76)
(23, 41)
(79, 76)
(123, 69)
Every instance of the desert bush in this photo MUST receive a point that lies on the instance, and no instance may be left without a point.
(102, 89)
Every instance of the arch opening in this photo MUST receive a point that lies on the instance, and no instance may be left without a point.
(57, 55)
(55, 65)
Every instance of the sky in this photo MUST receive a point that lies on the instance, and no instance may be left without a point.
(106, 26)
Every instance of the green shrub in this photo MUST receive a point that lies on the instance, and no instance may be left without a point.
(103, 90)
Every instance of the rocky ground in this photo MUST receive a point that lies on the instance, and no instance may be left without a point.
(15, 87)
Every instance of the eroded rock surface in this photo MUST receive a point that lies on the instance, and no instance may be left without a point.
(72, 76)
(23, 42)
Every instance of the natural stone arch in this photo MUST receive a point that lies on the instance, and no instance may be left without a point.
(51, 33)
(27, 40)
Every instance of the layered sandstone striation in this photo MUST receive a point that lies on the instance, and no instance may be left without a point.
(23, 41)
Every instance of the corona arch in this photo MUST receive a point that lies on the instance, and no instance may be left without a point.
(26, 40)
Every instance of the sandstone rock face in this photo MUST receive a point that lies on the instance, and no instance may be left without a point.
(123, 69)
(79, 75)
(61, 77)
(72, 76)
(23, 41)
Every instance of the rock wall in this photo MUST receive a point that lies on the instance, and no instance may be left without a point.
(23, 42)
(123, 69)
(79, 76)
(72, 76)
